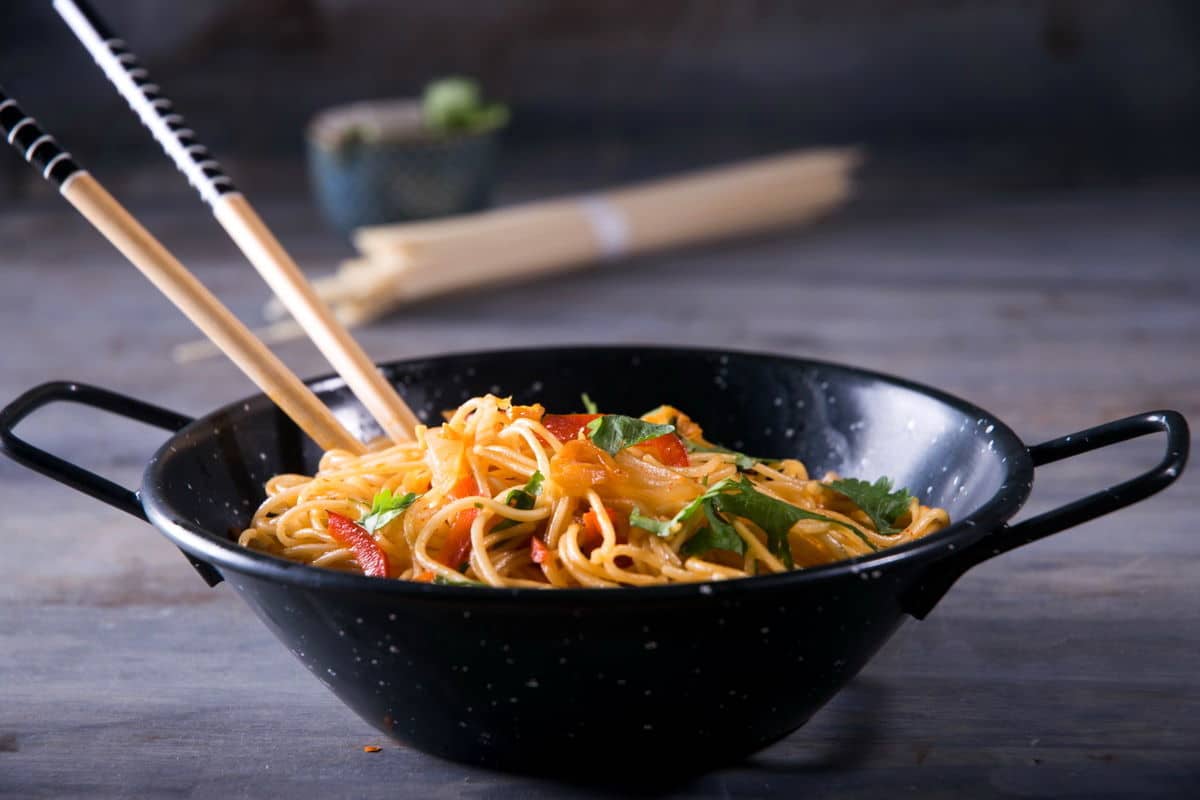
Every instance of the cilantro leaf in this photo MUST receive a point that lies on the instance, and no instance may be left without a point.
(667, 527)
(612, 433)
(717, 535)
(661, 527)
(775, 517)
(385, 507)
(877, 500)
(742, 460)
(524, 498)
(588, 404)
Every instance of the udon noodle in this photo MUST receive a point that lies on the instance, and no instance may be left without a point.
(508, 495)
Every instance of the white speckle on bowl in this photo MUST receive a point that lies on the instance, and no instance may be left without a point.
(651, 645)
(705, 589)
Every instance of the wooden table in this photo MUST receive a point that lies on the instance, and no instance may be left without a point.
(1067, 668)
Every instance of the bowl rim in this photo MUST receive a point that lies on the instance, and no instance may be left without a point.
(228, 555)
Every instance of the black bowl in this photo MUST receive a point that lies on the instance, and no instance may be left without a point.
(690, 674)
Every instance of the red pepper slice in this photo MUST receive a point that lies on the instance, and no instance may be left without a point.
(367, 552)
(592, 536)
(538, 551)
(668, 449)
(456, 549)
(567, 426)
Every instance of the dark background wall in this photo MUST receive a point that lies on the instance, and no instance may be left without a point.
(1072, 90)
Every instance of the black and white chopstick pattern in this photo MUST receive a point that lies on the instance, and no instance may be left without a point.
(33, 143)
(122, 69)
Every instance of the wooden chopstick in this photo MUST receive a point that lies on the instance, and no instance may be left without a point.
(239, 219)
(173, 279)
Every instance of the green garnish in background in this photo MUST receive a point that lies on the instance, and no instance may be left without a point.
(455, 105)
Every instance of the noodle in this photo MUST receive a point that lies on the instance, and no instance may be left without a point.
(500, 495)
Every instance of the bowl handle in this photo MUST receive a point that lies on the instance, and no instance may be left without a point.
(75, 476)
(932, 586)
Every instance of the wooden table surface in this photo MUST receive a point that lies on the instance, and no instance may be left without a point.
(1067, 668)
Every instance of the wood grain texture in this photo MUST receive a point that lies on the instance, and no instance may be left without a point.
(1067, 668)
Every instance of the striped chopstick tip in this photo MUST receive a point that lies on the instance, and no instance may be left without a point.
(36, 146)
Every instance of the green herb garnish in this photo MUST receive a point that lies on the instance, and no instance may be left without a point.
(659, 527)
(524, 498)
(612, 433)
(670, 526)
(717, 535)
(742, 460)
(877, 500)
(775, 517)
(385, 507)
(442, 580)
(589, 405)
(739, 498)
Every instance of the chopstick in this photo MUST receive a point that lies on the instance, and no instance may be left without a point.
(173, 279)
(239, 219)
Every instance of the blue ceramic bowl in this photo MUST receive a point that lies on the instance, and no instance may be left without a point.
(375, 163)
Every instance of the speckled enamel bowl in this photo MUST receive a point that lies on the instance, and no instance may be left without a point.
(689, 674)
